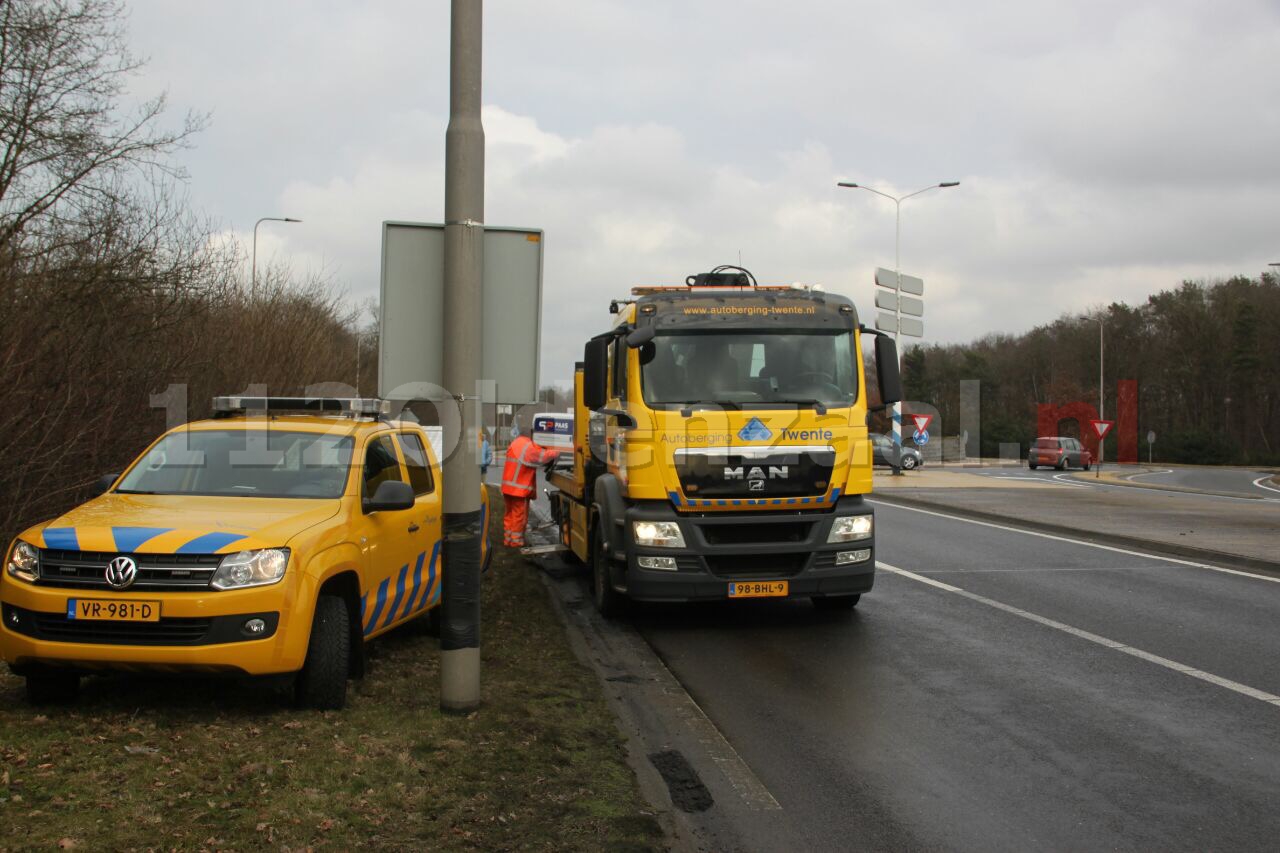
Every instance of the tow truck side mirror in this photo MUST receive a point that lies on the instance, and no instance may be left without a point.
(595, 370)
(390, 495)
(104, 482)
(887, 370)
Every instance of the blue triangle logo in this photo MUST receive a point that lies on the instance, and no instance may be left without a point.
(755, 431)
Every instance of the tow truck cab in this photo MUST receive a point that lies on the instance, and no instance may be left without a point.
(720, 446)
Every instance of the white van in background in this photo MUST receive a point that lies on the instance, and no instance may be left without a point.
(554, 430)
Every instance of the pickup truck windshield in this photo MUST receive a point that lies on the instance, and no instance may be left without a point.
(243, 463)
(751, 369)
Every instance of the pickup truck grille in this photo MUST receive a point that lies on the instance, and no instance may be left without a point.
(159, 572)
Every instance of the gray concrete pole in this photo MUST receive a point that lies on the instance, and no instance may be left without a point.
(463, 268)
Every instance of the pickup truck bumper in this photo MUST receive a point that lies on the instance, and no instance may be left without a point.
(722, 548)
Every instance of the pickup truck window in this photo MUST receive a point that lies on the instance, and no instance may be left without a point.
(749, 369)
(243, 463)
(415, 460)
(380, 464)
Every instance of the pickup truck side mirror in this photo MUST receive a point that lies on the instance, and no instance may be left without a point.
(104, 482)
(390, 495)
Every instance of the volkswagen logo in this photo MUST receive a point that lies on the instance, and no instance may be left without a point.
(121, 572)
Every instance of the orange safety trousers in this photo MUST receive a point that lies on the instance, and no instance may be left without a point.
(514, 519)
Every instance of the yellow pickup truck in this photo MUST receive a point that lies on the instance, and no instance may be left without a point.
(276, 537)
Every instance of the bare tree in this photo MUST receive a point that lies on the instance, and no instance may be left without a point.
(69, 150)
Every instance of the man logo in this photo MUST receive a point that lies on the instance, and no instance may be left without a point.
(755, 485)
(756, 474)
(121, 573)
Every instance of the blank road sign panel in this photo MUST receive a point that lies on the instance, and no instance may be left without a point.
(887, 299)
(910, 284)
(909, 326)
(411, 317)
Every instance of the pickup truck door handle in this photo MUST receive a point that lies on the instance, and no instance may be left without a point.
(413, 527)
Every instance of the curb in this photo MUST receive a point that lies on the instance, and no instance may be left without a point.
(1218, 558)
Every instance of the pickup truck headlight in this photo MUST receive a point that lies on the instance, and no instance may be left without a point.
(24, 562)
(850, 528)
(251, 568)
(657, 534)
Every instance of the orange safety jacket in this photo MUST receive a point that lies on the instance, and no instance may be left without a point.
(520, 473)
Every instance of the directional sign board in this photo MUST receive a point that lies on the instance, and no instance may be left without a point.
(908, 305)
(889, 279)
(1101, 427)
(411, 317)
(910, 326)
(1151, 436)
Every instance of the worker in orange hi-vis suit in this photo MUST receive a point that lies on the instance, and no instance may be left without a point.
(519, 479)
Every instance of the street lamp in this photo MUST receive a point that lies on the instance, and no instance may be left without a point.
(897, 271)
(253, 278)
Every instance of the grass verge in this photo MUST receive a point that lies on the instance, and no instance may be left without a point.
(227, 764)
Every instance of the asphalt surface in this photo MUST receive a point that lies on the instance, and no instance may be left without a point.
(1233, 481)
(1049, 695)
(1239, 482)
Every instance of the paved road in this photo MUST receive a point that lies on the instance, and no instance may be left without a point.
(1238, 482)
(1013, 692)
(1233, 481)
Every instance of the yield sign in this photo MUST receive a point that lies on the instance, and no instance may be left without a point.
(922, 422)
(1102, 427)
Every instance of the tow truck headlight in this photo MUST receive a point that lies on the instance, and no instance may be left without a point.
(657, 534)
(24, 562)
(251, 568)
(850, 528)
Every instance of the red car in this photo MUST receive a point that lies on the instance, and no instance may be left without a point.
(1059, 452)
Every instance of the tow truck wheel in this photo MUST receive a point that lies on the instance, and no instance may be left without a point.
(46, 687)
(836, 602)
(322, 683)
(608, 601)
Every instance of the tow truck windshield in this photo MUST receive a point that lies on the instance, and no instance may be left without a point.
(740, 370)
(243, 463)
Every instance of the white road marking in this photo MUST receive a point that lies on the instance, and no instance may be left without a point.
(1058, 478)
(1149, 473)
(1057, 538)
(1234, 686)
(1258, 483)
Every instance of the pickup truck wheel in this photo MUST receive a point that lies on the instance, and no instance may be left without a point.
(48, 687)
(322, 683)
(836, 602)
(608, 601)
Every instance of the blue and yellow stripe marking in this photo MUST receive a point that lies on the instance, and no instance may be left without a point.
(62, 538)
(209, 543)
(410, 589)
(130, 539)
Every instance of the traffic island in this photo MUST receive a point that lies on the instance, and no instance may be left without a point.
(210, 763)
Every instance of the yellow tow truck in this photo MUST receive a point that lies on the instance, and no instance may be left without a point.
(720, 446)
(276, 537)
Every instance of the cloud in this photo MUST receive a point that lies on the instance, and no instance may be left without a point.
(1105, 151)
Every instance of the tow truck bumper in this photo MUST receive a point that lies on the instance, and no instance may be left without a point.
(725, 548)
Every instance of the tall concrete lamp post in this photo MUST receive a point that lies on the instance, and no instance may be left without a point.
(897, 270)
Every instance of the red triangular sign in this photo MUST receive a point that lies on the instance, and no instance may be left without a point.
(922, 422)
(1102, 427)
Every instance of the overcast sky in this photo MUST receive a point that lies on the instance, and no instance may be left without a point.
(1106, 150)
